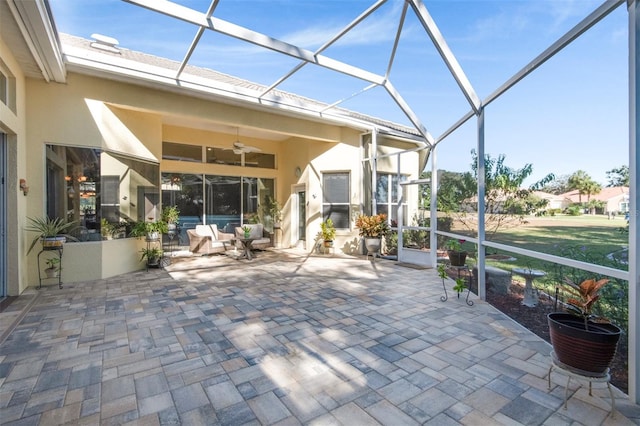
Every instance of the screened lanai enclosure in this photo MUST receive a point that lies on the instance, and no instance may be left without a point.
(536, 111)
(536, 100)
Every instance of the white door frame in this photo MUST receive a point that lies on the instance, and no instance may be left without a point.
(295, 219)
(3, 215)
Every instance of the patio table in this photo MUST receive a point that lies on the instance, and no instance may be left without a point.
(245, 252)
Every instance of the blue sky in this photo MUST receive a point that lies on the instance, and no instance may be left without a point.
(570, 114)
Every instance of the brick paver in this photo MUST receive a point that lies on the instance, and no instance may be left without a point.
(287, 338)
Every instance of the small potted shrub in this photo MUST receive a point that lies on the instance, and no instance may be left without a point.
(247, 231)
(372, 229)
(151, 230)
(106, 229)
(457, 256)
(52, 269)
(327, 232)
(171, 215)
(152, 255)
(581, 340)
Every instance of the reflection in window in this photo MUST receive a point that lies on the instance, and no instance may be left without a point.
(387, 196)
(223, 156)
(181, 152)
(104, 192)
(335, 199)
(259, 159)
(184, 191)
(223, 201)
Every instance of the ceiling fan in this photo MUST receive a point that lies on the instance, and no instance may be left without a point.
(241, 148)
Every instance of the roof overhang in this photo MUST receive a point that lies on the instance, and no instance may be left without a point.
(35, 25)
(96, 63)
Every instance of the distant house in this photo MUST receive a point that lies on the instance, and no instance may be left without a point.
(554, 201)
(616, 198)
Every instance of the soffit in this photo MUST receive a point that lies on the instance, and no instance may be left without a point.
(160, 73)
(13, 37)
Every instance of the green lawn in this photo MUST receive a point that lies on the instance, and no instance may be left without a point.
(586, 238)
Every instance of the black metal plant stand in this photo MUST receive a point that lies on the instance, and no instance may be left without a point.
(59, 252)
(467, 279)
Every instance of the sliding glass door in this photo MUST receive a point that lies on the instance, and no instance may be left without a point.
(227, 201)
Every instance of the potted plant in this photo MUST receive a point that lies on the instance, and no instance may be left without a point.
(151, 230)
(106, 229)
(328, 232)
(272, 210)
(581, 340)
(170, 215)
(152, 254)
(52, 269)
(52, 232)
(247, 231)
(457, 256)
(372, 229)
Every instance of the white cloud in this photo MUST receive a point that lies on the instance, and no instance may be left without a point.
(379, 27)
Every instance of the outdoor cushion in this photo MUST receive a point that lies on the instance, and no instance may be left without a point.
(257, 233)
(208, 230)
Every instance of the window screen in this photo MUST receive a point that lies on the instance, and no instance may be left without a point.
(335, 199)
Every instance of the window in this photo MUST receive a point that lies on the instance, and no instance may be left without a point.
(335, 199)
(185, 191)
(181, 152)
(4, 88)
(7, 87)
(387, 196)
(223, 156)
(258, 159)
(100, 190)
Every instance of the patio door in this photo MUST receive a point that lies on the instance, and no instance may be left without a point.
(3, 215)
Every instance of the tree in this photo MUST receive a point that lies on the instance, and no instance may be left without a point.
(584, 184)
(449, 187)
(506, 200)
(619, 176)
(557, 186)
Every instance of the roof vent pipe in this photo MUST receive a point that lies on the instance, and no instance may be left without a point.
(108, 44)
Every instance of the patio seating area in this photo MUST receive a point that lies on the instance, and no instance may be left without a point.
(289, 338)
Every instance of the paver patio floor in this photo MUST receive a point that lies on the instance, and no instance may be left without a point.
(285, 339)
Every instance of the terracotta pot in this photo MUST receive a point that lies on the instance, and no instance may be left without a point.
(457, 258)
(328, 243)
(590, 350)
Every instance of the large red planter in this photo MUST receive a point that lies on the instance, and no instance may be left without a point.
(589, 350)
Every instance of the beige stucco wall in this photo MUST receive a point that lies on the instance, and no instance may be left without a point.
(93, 112)
(13, 124)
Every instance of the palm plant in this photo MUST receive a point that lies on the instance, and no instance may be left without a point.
(45, 227)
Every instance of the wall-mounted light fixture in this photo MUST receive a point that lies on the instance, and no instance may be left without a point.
(23, 187)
